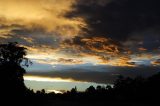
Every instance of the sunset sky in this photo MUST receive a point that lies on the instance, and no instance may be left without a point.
(83, 42)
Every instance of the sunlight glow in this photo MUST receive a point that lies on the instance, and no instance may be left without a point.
(55, 91)
(47, 79)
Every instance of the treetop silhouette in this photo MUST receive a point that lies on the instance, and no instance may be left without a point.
(12, 53)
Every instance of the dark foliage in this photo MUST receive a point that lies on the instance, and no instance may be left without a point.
(12, 57)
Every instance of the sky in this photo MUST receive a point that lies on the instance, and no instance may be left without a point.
(78, 43)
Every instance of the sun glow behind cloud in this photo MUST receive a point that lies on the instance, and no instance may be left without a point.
(47, 79)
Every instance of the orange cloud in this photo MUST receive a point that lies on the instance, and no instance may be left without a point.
(46, 14)
(101, 49)
(142, 49)
(122, 61)
(69, 61)
(156, 62)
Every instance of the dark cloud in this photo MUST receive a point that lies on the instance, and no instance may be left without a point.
(146, 40)
(118, 18)
(103, 75)
(121, 20)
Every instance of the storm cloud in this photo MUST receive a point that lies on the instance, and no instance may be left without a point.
(121, 20)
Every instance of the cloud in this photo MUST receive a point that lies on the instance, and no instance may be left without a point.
(122, 21)
(95, 44)
(69, 61)
(38, 24)
(64, 61)
(105, 74)
(114, 20)
(30, 38)
(48, 15)
(156, 62)
(123, 61)
(142, 49)
(144, 41)
(104, 50)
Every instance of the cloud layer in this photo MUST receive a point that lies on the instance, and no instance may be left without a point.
(97, 74)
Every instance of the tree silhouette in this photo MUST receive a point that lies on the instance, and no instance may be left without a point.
(74, 90)
(12, 58)
(12, 53)
(91, 89)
